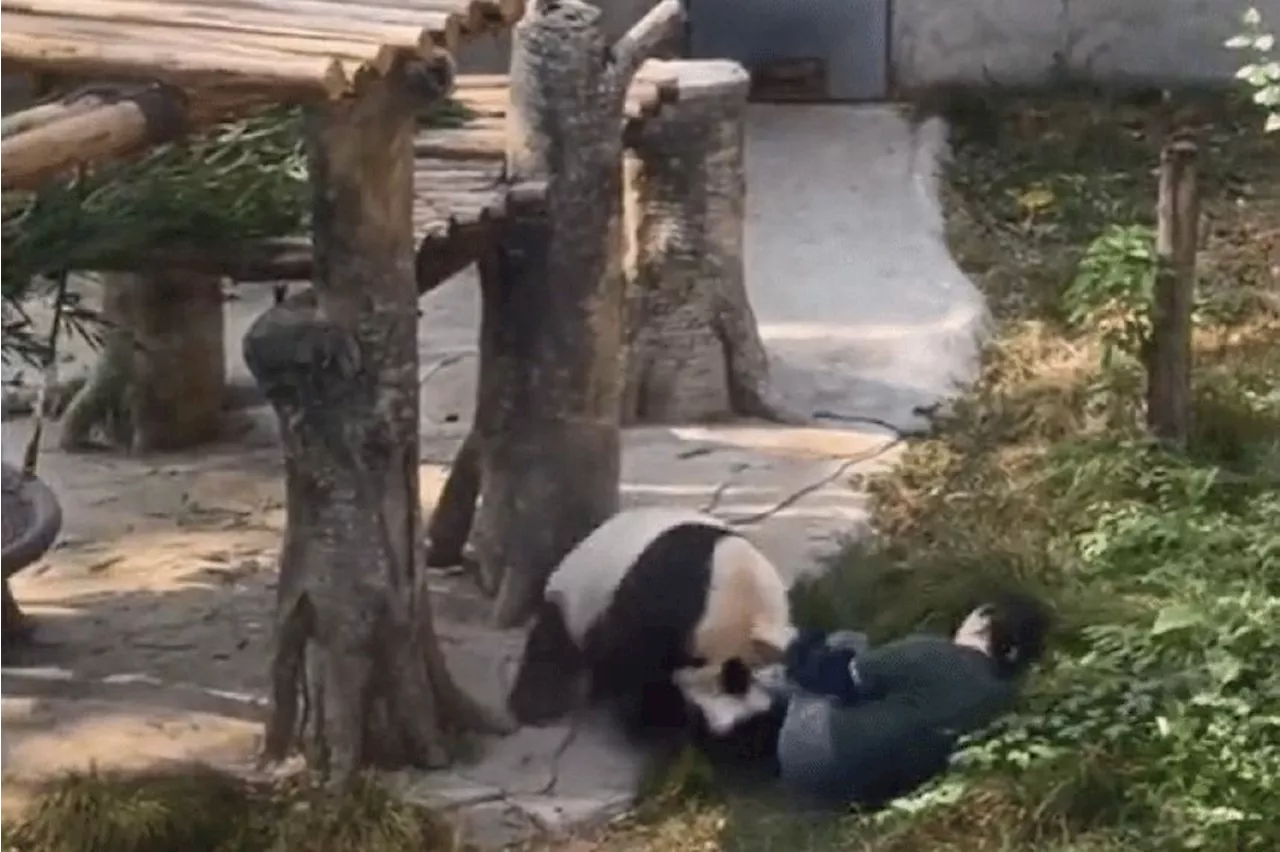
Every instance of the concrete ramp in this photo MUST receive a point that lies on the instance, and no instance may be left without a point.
(863, 311)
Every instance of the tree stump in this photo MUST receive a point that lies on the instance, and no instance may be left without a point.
(32, 520)
(694, 353)
(549, 397)
(159, 381)
(339, 365)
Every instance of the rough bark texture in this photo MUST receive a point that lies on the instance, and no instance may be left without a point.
(547, 417)
(159, 381)
(339, 364)
(15, 628)
(32, 521)
(1169, 351)
(694, 352)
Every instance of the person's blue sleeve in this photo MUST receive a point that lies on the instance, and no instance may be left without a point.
(817, 668)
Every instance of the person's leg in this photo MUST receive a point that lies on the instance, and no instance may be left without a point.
(807, 763)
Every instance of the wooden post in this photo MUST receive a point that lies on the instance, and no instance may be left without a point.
(549, 399)
(694, 352)
(340, 367)
(1169, 350)
(159, 382)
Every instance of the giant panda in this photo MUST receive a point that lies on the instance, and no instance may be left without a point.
(663, 614)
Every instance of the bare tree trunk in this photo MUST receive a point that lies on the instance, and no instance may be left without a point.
(694, 351)
(159, 381)
(340, 366)
(15, 627)
(1169, 350)
(549, 399)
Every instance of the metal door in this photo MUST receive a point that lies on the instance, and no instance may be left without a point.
(800, 49)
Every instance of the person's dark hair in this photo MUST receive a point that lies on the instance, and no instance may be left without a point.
(1019, 628)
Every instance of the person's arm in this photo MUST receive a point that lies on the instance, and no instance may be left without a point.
(816, 667)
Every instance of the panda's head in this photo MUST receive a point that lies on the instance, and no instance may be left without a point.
(725, 696)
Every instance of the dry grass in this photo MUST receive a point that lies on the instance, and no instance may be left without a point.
(199, 809)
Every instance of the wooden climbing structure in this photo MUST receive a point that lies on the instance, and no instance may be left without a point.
(206, 61)
(529, 185)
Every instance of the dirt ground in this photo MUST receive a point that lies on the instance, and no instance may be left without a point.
(153, 611)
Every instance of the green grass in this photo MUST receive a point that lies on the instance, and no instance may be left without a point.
(1155, 721)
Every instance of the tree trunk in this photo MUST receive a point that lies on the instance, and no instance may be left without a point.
(159, 381)
(340, 367)
(549, 397)
(694, 351)
(14, 625)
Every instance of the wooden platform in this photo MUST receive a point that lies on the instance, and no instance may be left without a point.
(288, 48)
(457, 170)
(457, 180)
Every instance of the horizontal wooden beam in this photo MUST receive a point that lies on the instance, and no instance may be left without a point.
(440, 255)
(87, 127)
(277, 259)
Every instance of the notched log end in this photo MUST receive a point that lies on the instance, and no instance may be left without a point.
(164, 108)
(431, 78)
(643, 40)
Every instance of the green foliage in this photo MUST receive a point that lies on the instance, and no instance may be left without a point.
(1262, 75)
(1155, 722)
(1163, 569)
(1112, 293)
(198, 809)
(239, 181)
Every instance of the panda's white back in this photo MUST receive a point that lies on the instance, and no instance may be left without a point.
(584, 582)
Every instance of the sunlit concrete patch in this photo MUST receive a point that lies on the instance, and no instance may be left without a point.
(861, 307)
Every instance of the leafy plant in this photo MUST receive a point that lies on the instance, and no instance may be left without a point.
(1155, 723)
(238, 181)
(1263, 73)
(1112, 292)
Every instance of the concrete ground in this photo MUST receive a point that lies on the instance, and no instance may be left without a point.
(155, 607)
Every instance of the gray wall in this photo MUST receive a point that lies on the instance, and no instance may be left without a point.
(1030, 41)
(1022, 41)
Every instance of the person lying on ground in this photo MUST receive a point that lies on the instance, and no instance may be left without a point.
(866, 727)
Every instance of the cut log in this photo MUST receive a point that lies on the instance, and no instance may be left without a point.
(297, 53)
(159, 381)
(339, 364)
(549, 397)
(87, 128)
(694, 353)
